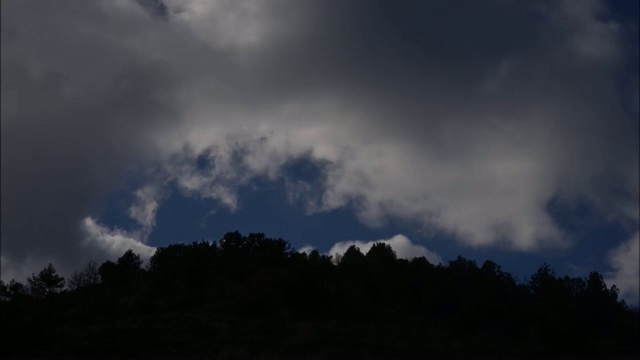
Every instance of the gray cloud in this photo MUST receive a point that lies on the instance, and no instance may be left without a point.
(625, 261)
(79, 109)
(466, 119)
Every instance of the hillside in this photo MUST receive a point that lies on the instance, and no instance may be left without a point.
(252, 296)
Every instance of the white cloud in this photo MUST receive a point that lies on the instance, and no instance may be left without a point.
(307, 249)
(114, 242)
(403, 247)
(482, 172)
(625, 260)
(144, 209)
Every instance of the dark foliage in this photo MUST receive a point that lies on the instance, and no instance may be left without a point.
(251, 296)
(47, 282)
(88, 276)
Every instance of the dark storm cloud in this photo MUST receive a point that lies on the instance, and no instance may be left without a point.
(155, 8)
(466, 117)
(76, 111)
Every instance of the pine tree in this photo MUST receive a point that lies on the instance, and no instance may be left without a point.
(46, 282)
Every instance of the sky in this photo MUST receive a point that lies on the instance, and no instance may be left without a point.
(502, 130)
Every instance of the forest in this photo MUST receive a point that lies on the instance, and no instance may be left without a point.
(256, 297)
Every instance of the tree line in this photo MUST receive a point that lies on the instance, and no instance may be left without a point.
(253, 296)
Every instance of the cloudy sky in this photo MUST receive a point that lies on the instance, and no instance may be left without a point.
(502, 130)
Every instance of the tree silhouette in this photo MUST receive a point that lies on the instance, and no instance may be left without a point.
(352, 257)
(47, 282)
(252, 296)
(109, 273)
(545, 286)
(123, 272)
(88, 276)
(130, 262)
(16, 290)
(381, 254)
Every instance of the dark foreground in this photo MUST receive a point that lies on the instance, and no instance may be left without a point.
(252, 297)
